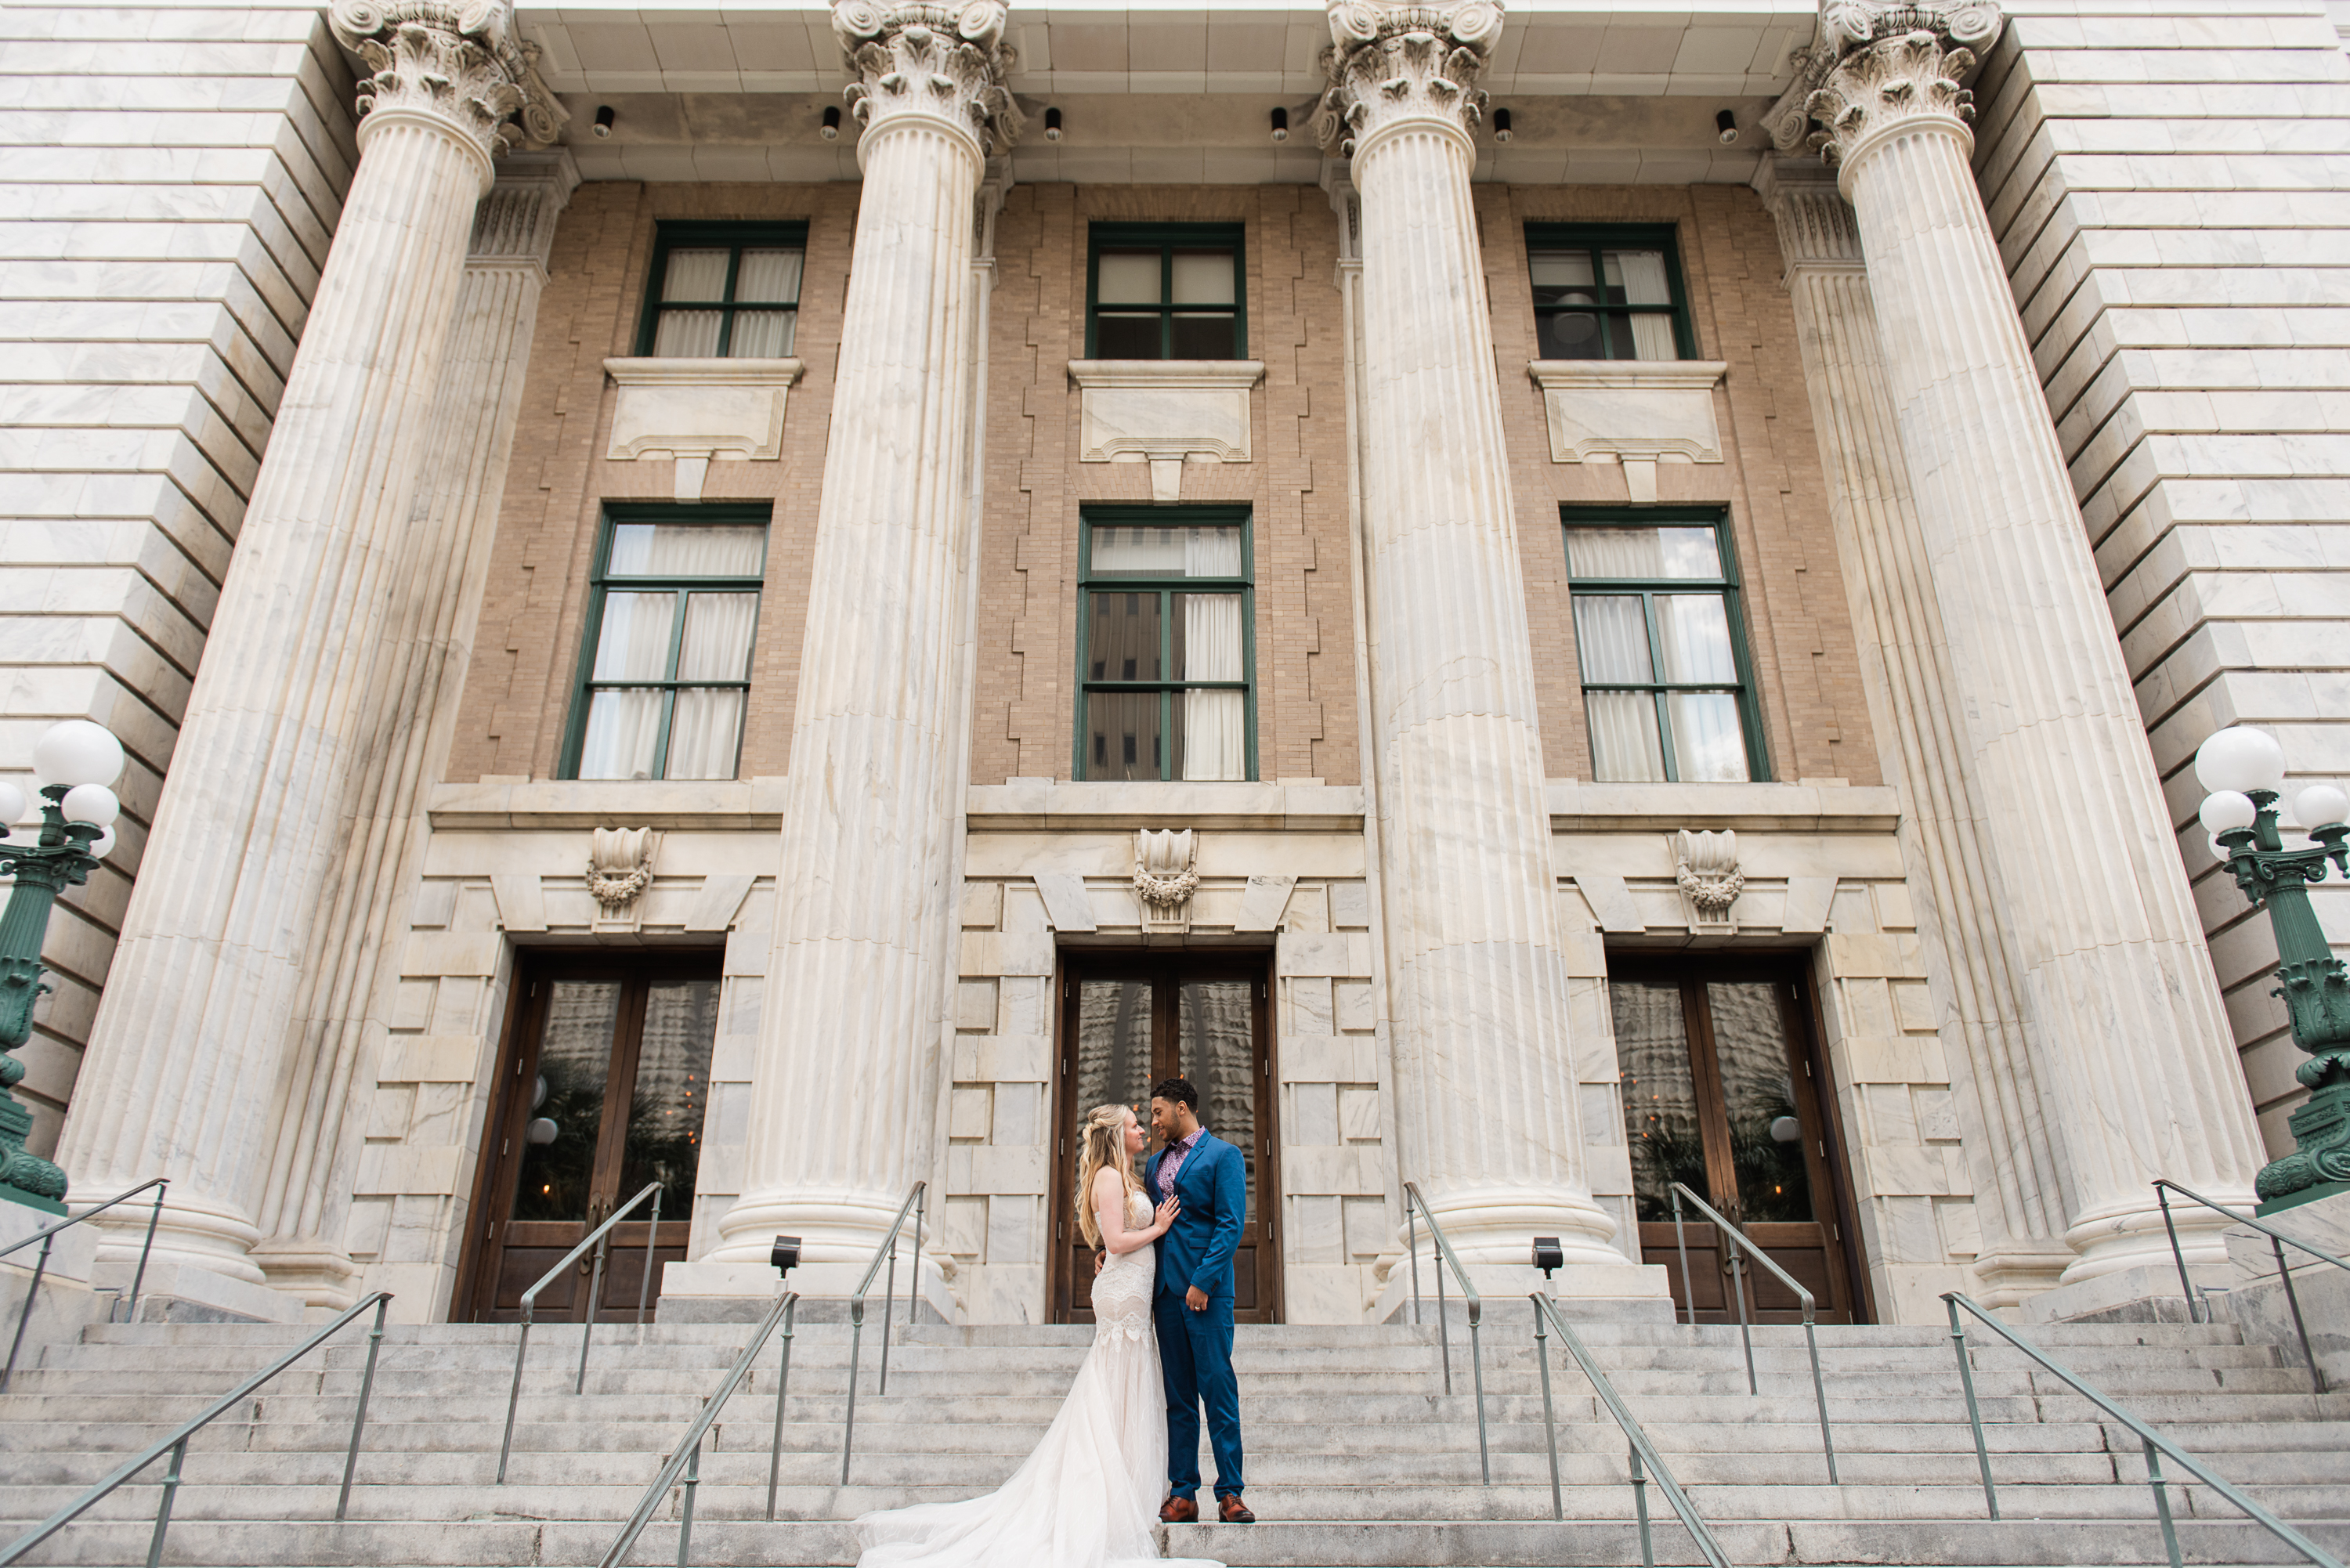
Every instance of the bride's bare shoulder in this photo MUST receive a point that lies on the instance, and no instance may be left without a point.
(1107, 1181)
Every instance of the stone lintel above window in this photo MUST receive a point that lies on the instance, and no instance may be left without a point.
(1638, 412)
(1164, 410)
(697, 410)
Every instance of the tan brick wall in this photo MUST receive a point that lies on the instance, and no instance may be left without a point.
(1813, 713)
(518, 690)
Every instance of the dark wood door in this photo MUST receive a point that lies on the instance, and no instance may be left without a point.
(1725, 1091)
(1128, 1021)
(604, 1082)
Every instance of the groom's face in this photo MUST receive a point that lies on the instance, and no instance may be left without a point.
(1163, 1116)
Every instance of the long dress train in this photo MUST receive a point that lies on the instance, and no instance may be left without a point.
(1088, 1495)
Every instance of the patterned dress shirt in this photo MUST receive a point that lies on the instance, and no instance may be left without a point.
(1172, 1166)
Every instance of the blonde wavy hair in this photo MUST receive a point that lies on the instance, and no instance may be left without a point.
(1101, 1144)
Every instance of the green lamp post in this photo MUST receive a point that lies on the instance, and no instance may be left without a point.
(74, 762)
(2244, 771)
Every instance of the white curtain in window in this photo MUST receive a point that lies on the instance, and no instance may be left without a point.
(1215, 724)
(695, 274)
(763, 276)
(1645, 282)
(687, 550)
(1142, 552)
(624, 727)
(1615, 553)
(705, 728)
(1611, 643)
(1709, 743)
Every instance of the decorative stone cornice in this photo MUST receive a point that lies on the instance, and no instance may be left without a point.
(1849, 65)
(459, 63)
(1390, 62)
(943, 63)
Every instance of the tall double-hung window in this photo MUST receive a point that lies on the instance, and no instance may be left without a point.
(1667, 689)
(1164, 647)
(1165, 291)
(1607, 294)
(724, 291)
(666, 676)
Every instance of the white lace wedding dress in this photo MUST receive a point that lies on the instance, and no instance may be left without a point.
(1088, 1494)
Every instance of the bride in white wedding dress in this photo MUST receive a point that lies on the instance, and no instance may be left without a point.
(1088, 1494)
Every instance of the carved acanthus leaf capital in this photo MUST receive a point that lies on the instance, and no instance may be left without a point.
(1389, 62)
(1856, 38)
(461, 61)
(946, 62)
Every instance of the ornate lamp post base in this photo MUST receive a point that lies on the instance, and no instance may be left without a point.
(2316, 992)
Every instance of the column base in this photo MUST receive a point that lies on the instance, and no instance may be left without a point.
(2011, 1276)
(318, 1275)
(177, 1292)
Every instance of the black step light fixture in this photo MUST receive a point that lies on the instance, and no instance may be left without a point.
(604, 118)
(1052, 125)
(1548, 1256)
(1501, 131)
(784, 1254)
(1725, 127)
(830, 130)
(1281, 125)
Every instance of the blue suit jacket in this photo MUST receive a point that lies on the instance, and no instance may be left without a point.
(1212, 1186)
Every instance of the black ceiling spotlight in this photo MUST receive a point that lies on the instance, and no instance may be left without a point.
(1281, 125)
(831, 129)
(1725, 125)
(1501, 131)
(1052, 125)
(604, 118)
(1547, 1255)
(786, 1254)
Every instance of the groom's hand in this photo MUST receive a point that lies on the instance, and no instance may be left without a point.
(1196, 1299)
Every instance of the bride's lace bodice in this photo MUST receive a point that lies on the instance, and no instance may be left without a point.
(1122, 1289)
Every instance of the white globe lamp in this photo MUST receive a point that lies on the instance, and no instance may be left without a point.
(12, 804)
(2225, 811)
(77, 753)
(102, 845)
(93, 804)
(2320, 805)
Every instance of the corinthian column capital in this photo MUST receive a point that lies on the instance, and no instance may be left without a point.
(1390, 63)
(940, 63)
(1878, 66)
(458, 63)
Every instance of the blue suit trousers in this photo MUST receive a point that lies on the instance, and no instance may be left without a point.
(1195, 1360)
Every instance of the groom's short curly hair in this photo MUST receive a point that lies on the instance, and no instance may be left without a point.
(1176, 1092)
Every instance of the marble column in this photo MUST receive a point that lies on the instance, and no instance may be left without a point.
(846, 1091)
(2140, 1067)
(1914, 704)
(1485, 1079)
(440, 570)
(188, 1052)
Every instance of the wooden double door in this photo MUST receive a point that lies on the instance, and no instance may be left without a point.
(1130, 1020)
(603, 1085)
(1726, 1090)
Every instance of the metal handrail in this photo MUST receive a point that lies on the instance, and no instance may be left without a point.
(176, 1445)
(2151, 1440)
(2278, 1240)
(1447, 1257)
(47, 1237)
(599, 1239)
(917, 1201)
(688, 1455)
(1638, 1446)
(1738, 1284)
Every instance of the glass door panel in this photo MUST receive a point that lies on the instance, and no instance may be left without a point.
(556, 1176)
(1215, 1048)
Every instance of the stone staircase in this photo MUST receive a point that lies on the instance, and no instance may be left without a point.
(1356, 1456)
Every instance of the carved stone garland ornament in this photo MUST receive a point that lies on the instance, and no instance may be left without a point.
(620, 867)
(1163, 876)
(945, 61)
(1876, 64)
(461, 63)
(1388, 63)
(1706, 866)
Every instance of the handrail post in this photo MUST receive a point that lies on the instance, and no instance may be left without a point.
(145, 1247)
(2293, 1300)
(1411, 1249)
(595, 1294)
(1640, 1504)
(783, 1388)
(1550, 1420)
(645, 1284)
(1477, 1370)
(1820, 1392)
(1443, 1326)
(358, 1419)
(2161, 1502)
(25, 1314)
(163, 1509)
(889, 1302)
(1745, 1329)
(914, 1285)
(2186, 1291)
(1974, 1412)
(1680, 1240)
(849, 1427)
(522, 1344)
(692, 1481)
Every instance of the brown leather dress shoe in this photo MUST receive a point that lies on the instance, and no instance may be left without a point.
(1232, 1511)
(1179, 1510)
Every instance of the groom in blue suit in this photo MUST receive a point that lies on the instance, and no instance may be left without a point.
(1193, 1303)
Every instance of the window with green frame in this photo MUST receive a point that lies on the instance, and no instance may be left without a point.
(1165, 291)
(1668, 687)
(1166, 645)
(1608, 293)
(665, 669)
(722, 290)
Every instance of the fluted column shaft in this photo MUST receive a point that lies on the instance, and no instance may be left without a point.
(187, 1052)
(438, 575)
(1486, 1082)
(2018, 1198)
(2140, 1065)
(846, 1087)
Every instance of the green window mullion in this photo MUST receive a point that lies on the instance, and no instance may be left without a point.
(1657, 673)
(669, 688)
(1166, 758)
(726, 315)
(1166, 307)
